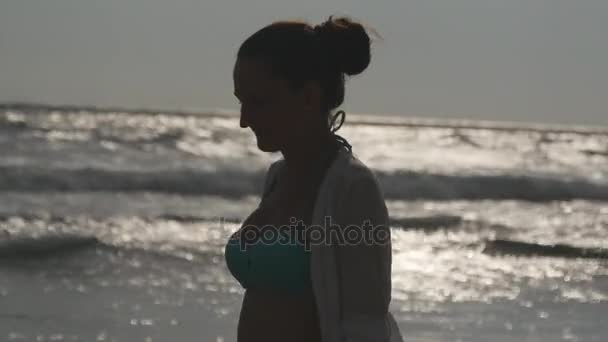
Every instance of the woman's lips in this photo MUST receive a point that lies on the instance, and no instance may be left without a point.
(259, 131)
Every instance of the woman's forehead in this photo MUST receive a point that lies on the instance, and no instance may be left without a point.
(250, 74)
(247, 68)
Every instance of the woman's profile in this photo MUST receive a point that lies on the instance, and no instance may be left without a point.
(301, 282)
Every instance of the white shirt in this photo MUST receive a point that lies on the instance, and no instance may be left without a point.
(351, 283)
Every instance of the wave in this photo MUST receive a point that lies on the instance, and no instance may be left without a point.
(42, 246)
(415, 185)
(234, 183)
(228, 183)
(526, 249)
(427, 223)
(8, 126)
(57, 245)
(192, 218)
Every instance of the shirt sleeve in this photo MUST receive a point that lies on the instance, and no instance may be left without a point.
(364, 263)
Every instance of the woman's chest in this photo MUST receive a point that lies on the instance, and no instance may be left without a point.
(285, 211)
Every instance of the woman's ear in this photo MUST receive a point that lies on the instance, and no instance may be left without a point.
(311, 95)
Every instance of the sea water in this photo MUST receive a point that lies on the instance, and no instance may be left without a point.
(113, 223)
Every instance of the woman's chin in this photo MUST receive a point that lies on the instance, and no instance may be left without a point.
(267, 147)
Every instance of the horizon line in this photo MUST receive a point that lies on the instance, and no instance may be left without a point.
(374, 119)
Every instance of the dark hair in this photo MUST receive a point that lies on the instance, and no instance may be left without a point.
(299, 52)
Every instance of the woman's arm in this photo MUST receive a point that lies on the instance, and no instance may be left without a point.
(364, 263)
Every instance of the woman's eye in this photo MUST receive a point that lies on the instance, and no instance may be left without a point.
(255, 102)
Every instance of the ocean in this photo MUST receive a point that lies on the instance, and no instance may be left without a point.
(113, 224)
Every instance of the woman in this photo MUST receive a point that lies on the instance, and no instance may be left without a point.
(289, 77)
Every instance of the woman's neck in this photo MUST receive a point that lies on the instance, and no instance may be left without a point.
(303, 157)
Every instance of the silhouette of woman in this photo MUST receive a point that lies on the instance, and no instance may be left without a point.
(289, 78)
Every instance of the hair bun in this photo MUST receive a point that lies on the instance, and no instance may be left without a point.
(347, 42)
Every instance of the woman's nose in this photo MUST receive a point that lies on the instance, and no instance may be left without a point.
(244, 121)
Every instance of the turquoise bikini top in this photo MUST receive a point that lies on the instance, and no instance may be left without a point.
(268, 262)
(278, 266)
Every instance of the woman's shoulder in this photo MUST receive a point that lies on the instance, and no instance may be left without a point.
(355, 170)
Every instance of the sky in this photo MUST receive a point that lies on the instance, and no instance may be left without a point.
(510, 60)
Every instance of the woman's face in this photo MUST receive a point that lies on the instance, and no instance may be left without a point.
(269, 107)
